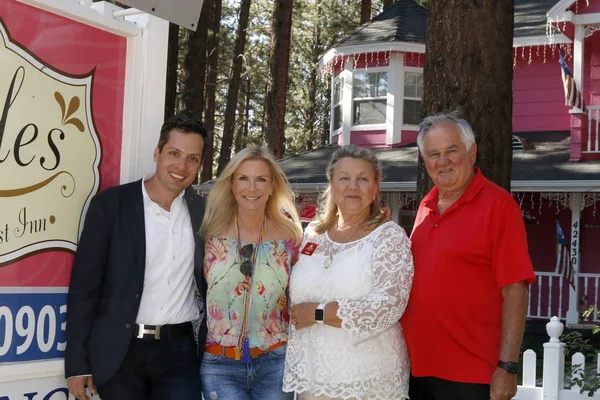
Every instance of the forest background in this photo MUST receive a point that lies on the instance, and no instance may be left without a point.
(250, 72)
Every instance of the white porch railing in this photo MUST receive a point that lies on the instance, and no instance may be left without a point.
(592, 145)
(553, 381)
(549, 295)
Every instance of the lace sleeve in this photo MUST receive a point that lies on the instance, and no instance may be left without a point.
(392, 274)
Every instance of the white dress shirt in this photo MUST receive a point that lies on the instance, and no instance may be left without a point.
(169, 288)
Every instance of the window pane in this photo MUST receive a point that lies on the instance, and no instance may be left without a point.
(337, 90)
(369, 112)
(412, 112)
(382, 84)
(360, 78)
(413, 84)
(337, 117)
(360, 91)
(372, 84)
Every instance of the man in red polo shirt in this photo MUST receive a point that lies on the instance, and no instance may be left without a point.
(466, 314)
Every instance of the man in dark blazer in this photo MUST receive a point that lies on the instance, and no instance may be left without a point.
(137, 282)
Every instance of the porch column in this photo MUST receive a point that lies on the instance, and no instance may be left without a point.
(579, 123)
(579, 132)
(395, 97)
(573, 312)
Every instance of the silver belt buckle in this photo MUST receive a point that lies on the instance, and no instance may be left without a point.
(143, 331)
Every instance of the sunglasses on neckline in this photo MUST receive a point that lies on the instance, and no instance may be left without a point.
(246, 266)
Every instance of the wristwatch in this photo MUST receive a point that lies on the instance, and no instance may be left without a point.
(509, 366)
(320, 313)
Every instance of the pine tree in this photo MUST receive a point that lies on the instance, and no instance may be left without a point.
(453, 78)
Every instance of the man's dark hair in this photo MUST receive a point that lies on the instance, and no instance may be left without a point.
(182, 123)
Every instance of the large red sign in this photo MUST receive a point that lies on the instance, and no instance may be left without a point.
(72, 76)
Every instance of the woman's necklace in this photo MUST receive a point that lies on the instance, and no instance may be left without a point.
(242, 349)
(333, 251)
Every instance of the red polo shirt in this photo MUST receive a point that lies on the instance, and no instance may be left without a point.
(463, 257)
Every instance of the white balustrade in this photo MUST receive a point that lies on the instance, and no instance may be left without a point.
(593, 140)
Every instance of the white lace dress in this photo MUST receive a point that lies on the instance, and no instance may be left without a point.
(370, 279)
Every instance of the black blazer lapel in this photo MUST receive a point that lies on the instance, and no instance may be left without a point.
(137, 224)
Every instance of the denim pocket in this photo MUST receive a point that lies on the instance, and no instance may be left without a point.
(211, 358)
(278, 352)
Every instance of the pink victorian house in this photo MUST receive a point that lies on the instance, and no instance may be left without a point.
(377, 81)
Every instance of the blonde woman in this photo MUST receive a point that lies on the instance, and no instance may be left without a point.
(348, 290)
(252, 232)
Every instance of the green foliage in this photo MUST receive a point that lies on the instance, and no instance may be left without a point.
(575, 343)
(588, 381)
(590, 312)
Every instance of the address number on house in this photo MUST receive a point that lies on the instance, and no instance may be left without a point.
(32, 326)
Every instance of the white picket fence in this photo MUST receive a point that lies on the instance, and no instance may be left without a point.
(553, 381)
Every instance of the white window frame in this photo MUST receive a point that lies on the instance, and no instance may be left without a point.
(369, 127)
(409, 127)
(339, 104)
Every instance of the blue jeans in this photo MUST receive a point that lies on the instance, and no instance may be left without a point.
(227, 379)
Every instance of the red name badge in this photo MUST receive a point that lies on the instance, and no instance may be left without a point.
(309, 248)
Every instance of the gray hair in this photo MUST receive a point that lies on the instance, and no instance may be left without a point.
(466, 132)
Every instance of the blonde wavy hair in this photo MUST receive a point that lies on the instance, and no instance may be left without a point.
(328, 210)
(221, 206)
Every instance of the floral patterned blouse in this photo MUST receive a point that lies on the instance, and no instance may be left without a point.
(268, 316)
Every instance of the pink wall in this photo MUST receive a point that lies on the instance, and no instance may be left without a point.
(370, 60)
(592, 69)
(538, 95)
(407, 138)
(337, 139)
(414, 60)
(369, 139)
(541, 237)
(376, 138)
(590, 238)
(582, 7)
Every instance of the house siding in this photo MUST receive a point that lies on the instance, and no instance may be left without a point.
(369, 139)
(538, 95)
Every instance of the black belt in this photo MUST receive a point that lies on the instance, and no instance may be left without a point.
(143, 331)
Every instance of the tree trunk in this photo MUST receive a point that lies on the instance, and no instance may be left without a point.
(247, 112)
(195, 67)
(365, 11)
(454, 78)
(214, 7)
(387, 3)
(279, 60)
(172, 63)
(312, 89)
(234, 86)
(243, 105)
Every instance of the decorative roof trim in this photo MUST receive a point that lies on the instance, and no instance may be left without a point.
(420, 48)
(541, 40)
(555, 186)
(559, 8)
(516, 186)
(370, 48)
